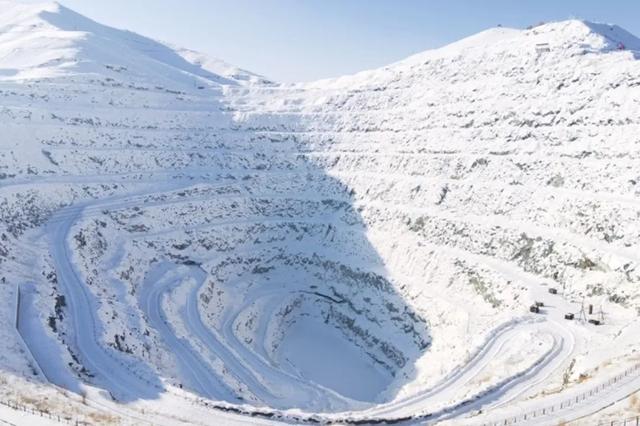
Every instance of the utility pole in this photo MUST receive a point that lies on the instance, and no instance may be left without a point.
(582, 316)
(601, 315)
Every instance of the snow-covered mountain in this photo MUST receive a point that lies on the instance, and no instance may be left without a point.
(176, 231)
(49, 40)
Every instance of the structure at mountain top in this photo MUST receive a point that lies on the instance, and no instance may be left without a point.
(176, 227)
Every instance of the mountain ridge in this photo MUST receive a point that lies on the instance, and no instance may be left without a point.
(598, 37)
(68, 42)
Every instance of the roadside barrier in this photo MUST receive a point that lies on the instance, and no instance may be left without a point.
(630, 421)
(557, 408)
(41, 413)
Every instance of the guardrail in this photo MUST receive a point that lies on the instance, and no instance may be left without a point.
(629, 421)
(41, 413)
(569, 402)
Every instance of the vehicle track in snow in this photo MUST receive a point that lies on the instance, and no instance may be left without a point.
(243, 363)
(195, 371)
(86, 330)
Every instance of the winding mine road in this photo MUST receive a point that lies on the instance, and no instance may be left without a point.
(126, 379)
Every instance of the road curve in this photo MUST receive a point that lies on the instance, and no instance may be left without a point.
(112, 371)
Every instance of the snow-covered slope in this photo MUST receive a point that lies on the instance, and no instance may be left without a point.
(175, 229)
(49, 40)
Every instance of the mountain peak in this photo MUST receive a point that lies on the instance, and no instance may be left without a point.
(586, 34)
(496, 48)
(569, 33)
(14, 14)
(9, 6)
(48, 40)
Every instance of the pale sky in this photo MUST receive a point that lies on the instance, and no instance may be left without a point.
(302, 40)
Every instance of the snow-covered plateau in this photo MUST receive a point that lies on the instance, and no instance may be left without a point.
(186, 242)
